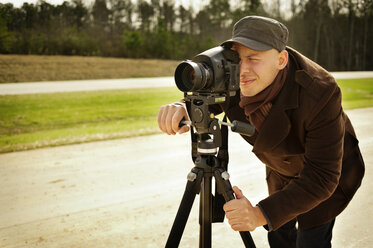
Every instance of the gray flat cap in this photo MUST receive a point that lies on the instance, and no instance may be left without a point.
(259, 33)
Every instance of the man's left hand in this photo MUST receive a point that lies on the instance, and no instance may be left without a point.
(241, 215)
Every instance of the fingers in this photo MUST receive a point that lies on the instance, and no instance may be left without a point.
(242, 227)
(240, 212)
(234, 204)
(183, 129)
(240, 220)
(176, 118)
(238, 192)
(169, 117)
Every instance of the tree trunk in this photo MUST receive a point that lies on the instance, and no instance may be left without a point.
(351, 35)
(365, 42)
(317, 40)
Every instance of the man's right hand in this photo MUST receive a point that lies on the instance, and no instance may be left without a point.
(169, 117)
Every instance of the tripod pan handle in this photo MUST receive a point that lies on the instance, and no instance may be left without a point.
(243, 128)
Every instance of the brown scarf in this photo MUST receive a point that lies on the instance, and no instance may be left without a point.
(257, 107)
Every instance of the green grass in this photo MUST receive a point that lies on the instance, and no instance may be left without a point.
(32, 121)
(40, 120)
(356, 93)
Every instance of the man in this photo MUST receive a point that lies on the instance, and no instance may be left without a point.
(313, 162)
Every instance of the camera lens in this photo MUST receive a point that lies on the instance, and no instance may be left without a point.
(191, 76)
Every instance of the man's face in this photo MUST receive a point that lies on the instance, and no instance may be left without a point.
(258, 69)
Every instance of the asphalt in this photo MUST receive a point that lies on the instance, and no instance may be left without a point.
(113, 84)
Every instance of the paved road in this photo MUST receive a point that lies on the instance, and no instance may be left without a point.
(125, 193)
(84, 85)
(110, 84)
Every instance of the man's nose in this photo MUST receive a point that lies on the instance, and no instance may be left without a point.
(245, 67)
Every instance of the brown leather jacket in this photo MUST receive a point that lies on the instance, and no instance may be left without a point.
(313, 162)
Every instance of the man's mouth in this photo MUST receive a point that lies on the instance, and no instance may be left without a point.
(245, 82)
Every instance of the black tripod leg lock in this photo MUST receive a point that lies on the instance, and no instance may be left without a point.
(195, 176)
(224, 185)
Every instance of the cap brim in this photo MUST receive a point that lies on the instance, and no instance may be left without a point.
(249, 43)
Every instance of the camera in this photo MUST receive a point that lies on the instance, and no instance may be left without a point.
(216, 70)
(211, 77)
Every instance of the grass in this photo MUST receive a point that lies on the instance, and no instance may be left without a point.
(34, 68)
(356, 93)
(40, 120)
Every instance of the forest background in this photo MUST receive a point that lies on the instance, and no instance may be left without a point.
(334, 33)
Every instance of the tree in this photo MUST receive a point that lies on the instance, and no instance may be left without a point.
(80, 13)
(203, 21)
(118, 14)
(5, 37)
(45, 15)
(182, 15)
(219, 12)
(366, 10)
(100, 13)
(169, 14)
(145, 12)
(30, 14)
(247, 7)
(316, 15)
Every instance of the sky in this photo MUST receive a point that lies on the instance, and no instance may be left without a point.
(285, 4)
(18, 3)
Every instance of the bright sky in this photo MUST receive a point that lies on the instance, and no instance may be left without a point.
(285, 4)
(196, 3)
(18, 3)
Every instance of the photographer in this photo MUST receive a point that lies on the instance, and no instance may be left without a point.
(313, 162)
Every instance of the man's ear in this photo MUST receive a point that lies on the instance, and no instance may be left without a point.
(283, 57)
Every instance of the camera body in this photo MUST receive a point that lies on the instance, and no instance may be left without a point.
(216, 70)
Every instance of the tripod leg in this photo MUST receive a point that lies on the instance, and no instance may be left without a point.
(205, 212)
(225, 188)
(192, 188)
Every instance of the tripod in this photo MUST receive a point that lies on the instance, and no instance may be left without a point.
(207, 166)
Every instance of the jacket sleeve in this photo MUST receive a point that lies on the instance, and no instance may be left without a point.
(324, 135)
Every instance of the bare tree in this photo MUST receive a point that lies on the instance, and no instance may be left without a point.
(146, 12)
(169, 14)
(100, 13)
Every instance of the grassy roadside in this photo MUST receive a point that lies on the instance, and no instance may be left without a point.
(40, 120)
(356, 93)
(32, 68)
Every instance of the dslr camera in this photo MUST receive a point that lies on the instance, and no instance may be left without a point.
(211, 77)
(214, 71)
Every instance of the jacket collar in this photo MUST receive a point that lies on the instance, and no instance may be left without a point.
(277, 125)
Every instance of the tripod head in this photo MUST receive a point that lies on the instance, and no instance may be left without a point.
(205, 122)
(202, 119)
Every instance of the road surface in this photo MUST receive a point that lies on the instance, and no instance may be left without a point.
(112, 84)
(125, 193)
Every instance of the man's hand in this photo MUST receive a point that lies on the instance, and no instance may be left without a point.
(241, 215)
(169, 117)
